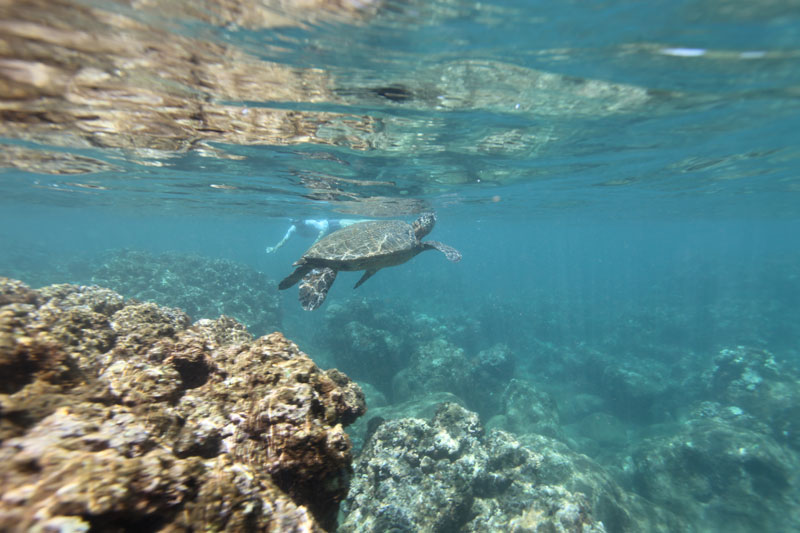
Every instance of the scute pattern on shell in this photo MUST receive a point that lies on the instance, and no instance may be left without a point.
(365, 239)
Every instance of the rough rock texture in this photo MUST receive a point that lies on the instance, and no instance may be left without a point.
(641, 387)
(424, 406)
(754, 380)
(527, 410)
(200, 286)
(637, 390)
(373, 339)
(438, 366)
(489, 372)
(598, 434)
(721, 471)
(731, 464)
(118, 416)
(367, 340)
(619, 508)
(447, 475)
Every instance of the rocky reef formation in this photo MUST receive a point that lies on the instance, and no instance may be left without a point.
(448, 475)
(437, 365)
(524, 409)
(404, 353)
(731, 463)
(368, 342)
(424, 406)
(721, 470)
(765, 387)
(675, 439)
(489, 373)
(202, 287)
(119, 415)
(641, 388)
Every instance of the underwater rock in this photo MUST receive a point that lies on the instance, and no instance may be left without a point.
(374, 353)
(424, 406)
(460, 329)
(753, 380)
(356, 333)
(489, 372)
(13, 291)
(598, 431)
(447, 475)
(123, 415)
(372, 340)
(574, 407)
(201, 286)
(524, 409)
(632, 387)
(619, 510)
(634, 391)
(374, 397)
(436, 366)
(722, 471)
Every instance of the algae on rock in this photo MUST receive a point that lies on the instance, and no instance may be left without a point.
(115, 413)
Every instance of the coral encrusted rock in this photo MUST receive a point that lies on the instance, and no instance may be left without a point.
(764, 386)
(446, 475)
(202, 287)
(436, 366)
(527, 410)
(119, 416)
(722, 471)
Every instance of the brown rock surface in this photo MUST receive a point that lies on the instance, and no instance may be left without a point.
(116, 416)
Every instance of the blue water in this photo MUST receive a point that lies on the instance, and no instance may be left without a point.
(620, 178)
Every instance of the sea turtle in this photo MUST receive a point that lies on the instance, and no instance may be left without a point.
(367, 246)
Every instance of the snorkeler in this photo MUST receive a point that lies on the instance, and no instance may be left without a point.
(311, 228)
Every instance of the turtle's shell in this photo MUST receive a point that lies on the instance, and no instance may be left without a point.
(364, 241)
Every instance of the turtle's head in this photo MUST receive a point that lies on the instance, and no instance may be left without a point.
(424, 225)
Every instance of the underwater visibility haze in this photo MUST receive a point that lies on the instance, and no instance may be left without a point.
(618, 348)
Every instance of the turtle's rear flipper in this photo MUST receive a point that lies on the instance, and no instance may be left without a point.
(449, 252)
(314, 287)
(293, 278)
(368, 274)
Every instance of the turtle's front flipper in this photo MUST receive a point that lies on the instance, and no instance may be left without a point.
(294, 277)
(368, 274)
(314, 287)
(449, 252)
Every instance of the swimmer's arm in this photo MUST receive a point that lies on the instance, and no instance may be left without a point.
(289, 232)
